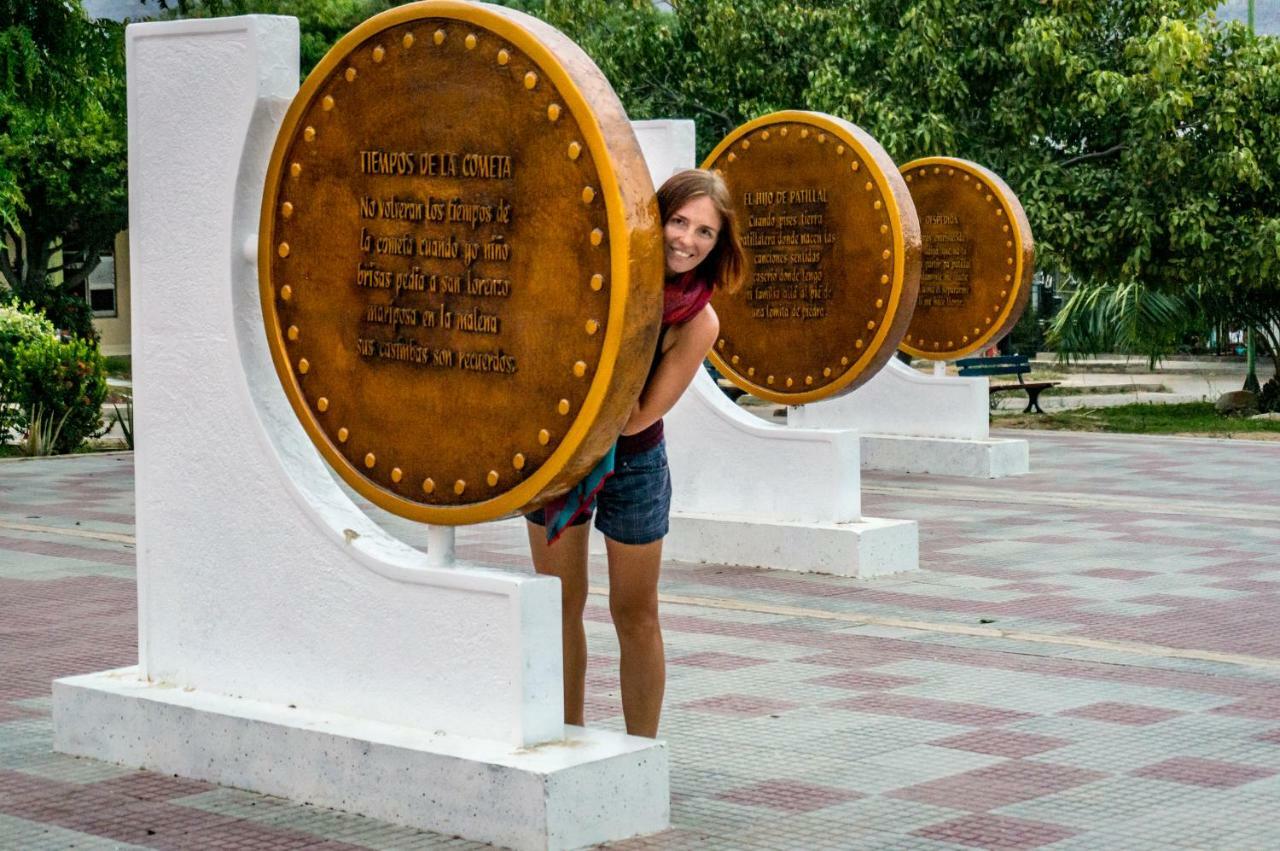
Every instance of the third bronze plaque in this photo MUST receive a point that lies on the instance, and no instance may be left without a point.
(978, 258)
(833, 249)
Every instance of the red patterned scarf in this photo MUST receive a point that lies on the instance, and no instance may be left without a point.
(684, 297)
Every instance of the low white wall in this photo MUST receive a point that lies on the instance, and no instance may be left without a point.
(899, 400)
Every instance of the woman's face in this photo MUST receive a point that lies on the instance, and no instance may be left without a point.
(690, 234)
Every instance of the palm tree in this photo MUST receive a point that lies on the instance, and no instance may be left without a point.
(1132, 317)
(1129, 318)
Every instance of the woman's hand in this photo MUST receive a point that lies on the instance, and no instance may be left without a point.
(687, 347)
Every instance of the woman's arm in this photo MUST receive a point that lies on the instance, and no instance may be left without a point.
(676, 369)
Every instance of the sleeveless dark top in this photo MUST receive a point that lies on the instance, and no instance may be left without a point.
(643, 441)
(682, 299)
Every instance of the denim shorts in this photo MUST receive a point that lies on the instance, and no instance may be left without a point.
(634, 506)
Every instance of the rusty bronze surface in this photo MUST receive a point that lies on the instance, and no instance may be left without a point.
(978, 258)
(460, 261)
(833, 257)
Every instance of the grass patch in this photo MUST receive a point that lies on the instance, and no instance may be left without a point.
(1191, 418)
(1103, 389)
(119, 366)
(101, 444)
(89, 447)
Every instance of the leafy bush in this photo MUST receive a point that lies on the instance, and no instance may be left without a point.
(20, 325)
(1269, 397)
(42, 433)
(67, 382)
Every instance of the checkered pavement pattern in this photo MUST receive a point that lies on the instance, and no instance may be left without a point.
(1090, 659)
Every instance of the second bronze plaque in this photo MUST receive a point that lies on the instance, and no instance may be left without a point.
(978, 258)
(833, 248)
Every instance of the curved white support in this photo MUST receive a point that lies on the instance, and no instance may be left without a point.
(912, 422)
(668, 145)
(752, 493)
(258, 577)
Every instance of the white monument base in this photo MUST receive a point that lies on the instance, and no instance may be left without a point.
(589, 787)
(917, 423)
(974, 458)
(429, 692)
(865, 548)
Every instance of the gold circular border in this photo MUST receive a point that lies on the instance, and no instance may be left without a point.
(1023, 259)
(496, 20)
(837, 128)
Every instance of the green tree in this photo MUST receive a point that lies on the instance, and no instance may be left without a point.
(1195, 159)
(1140, 135)
(19, 328)
(62, 152)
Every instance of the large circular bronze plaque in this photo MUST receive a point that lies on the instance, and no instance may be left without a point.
(978, 258)
(460, 261)
(833, 257)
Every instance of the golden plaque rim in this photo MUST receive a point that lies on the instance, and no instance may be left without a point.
(497, 20)
(845, 131)
(1023, 253)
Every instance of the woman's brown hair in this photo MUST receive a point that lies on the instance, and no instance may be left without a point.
(727, 261)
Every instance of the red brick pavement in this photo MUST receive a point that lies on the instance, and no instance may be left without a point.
(999, 833)
(1122, 713)
(1006, 743)
(789, 796)
(139, 815)
(998, 785)
(62, 627)
(1212, 773)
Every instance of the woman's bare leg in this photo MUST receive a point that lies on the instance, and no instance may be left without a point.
(567, 559)
(633, 602)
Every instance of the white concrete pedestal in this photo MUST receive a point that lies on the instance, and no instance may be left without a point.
(864, 548)
(560, 794)
(287, 644)
(917, 423)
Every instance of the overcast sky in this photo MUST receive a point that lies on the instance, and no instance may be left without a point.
(1266, 12)
(118, 10)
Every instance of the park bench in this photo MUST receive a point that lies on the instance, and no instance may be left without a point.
(1008, 365)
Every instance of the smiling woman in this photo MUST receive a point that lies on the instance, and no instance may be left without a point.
(703, 253)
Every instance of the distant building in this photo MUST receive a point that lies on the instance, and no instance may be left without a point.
(107, 289)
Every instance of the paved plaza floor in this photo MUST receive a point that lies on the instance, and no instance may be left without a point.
(1088, 658)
